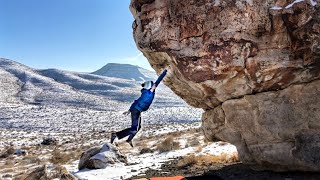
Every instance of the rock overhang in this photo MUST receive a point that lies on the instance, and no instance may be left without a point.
(219, 52)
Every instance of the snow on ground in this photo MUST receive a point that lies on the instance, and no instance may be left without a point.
(139, 163)
(80, 110)
(294, 2)
(62, 101)
(312, 2)
(276, 8)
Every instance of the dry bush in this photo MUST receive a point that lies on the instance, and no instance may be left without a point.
(9, 163)
(36, 173)
(176, 133)
(144, 147)
(205, 160)
(141, 143)
(187, 161)
(30, 159)
(194, 142)
(234, 157)
(59, 157)
(168, 145)
(20, 176)
(62, 173)
(199, 149)
(7, 152)
(146, 150)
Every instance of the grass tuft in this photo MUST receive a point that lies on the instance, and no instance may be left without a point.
(205, 160)
(7, 152)
(168, 145)
(59, 157)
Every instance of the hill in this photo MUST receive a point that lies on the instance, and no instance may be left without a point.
(57, 100)
(126, 71)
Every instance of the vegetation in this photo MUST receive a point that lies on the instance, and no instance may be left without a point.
(205, 160)
(168, 145)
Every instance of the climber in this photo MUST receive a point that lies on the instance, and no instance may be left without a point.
(140, 105)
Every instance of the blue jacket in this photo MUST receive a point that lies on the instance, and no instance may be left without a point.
(145, 100)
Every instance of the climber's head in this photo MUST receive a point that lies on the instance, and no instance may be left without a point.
(147, 85)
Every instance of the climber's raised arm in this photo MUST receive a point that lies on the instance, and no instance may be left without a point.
(154, 86)
(163, 74)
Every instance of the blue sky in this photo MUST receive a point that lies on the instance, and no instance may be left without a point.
(77, 35)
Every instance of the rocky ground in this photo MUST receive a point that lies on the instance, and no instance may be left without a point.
(31, 151)
(226, 171)
(187, 154)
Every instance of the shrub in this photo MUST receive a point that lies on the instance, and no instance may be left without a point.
(205, 160)
(9, 151)
(199, 149)
(194, 142)
(29, 159)
(62, 173)
(9, 163)
(59, 157)
(187, 161)
(168, 145)
(146, 150)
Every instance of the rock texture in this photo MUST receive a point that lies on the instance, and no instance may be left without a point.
(252, 65)
(278, 129)
(101, 157)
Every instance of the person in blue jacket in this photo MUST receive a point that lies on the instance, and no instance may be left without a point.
(140, 105)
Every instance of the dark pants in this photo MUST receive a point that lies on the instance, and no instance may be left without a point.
(135, 126)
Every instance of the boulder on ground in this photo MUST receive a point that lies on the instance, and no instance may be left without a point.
(253, 66)
(20, 152)
(49, 141)
(100, 157)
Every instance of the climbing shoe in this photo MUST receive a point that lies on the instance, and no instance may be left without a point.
(130, 142)
(113, 137)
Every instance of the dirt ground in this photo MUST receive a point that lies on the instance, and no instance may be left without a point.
(217, 171)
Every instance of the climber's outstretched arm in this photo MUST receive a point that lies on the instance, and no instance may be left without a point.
(163, 74)
(158, 80)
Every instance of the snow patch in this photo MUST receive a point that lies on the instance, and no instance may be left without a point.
(313, 2)
(141, 163)
(250, 2)
(276, 8)
(294, 2)
(216, 2)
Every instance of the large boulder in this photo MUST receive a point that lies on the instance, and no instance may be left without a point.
(242, 62)
(100, 157)
(279, 130)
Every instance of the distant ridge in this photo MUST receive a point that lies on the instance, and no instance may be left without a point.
(22, 84)
(126, 71)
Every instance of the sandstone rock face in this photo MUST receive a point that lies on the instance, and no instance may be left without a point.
(101, 157)
(244, 62)
(274, 129)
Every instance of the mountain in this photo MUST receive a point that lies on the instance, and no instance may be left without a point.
(53, 86)
(56, 100)
(126, 71)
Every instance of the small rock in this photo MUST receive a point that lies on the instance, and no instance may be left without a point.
(21, 152)
(49, 141)
(146, 150)
(7, 176)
